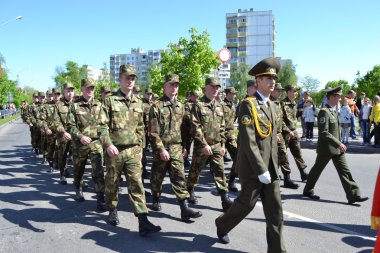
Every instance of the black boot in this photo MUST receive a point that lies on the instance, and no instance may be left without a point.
(79, 194)
(193, 199)
(226, 201)
(304, 175)
(113, 218)
(186, 163)
(231, 184)
(100, 202)
(145, 226)
(156, 206)
(51, 167)
(223, 237)
(288, 183)
(187, 212)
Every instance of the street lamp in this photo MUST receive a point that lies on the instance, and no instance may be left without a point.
(13, 19)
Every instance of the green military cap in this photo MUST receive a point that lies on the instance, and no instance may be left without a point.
(48, 92)
(230, 90)
(136, 88)
(68, 85)
(148, 90)
(87, 82)
(251, 83)
(290, 87)
(278, 86)
(56, 91)
(334, 91)
(129, 70)
(41, 94)
(105, 89)
(194, 93)
(35, 94)
(212, 81)
(268, 66)
(173, 78)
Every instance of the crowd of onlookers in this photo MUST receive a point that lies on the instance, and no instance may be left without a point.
(7, 110)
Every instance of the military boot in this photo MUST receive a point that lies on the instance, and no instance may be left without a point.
(100, 202)
(156, 206)
(231, 184)
(187, 212)
(192, 199)
(304, 175)
(145, 226)
(79, 194)
(51, 167)
(63, 180)
(226, 201)
(113, 218)
(288, 183)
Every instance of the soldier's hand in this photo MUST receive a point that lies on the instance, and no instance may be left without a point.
(265, 178)
(164, 155)
(278, 138)
(222, 151)
(291, 134)
(85, 140)
(30, 124)
(207, 150)
(49, 132)
(67, 136)
(184, 152)
(342, 147)
(112, 151)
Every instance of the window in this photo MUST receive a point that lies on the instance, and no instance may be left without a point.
(242, 49)
(232, 31)
(242, 29)
(231, 21)
(233, 49)
(231, 40)
(242, 39)
(242, 20)
(242, 59)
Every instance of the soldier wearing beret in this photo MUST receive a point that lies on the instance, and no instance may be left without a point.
(165, 119)
(257, 160)
(208, 126)
(330, 147)
(121, 132)
(289, 132)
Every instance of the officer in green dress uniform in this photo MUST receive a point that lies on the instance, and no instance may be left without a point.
(257, 160)
(330, 147)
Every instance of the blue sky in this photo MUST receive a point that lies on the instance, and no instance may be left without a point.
(328, 40)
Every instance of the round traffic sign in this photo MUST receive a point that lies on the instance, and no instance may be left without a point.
(224, 55)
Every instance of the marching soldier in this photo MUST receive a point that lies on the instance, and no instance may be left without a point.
(121, 131)
(330, 147)
(24, 110)
(209, 142)
(165, 118)
(257, 160)
(186, 126)
(83, 125)
(104, 92)
(147, 103)
(30, 120)
(289, 131)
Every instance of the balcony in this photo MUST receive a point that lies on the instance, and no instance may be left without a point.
(232, 35)
(234, 25)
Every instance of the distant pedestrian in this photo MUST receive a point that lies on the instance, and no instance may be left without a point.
(375, 119)
(345, 121)
(309, 117)
(355, 112)
(364, 114)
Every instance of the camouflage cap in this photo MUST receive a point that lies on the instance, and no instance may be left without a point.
(136, 88)
(268, 66)
(334, 91)
(173, 78)
(56, 91)
(230, 90)
(105, 89)
(68, 85)
(278, 86)
(148, 90)
(41, 94)
(251, 83)
(212, 81)
(290, 87)
(35, 94)
(87, 82)
(194, 93)
(129, 70)
(48, 92)
(155, 95)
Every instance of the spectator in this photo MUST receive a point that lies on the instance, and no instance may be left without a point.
(309, 118)
(345, 116)
(364, 120)
(300, 107)
(354, 112)
(375, 119)
(360, 102)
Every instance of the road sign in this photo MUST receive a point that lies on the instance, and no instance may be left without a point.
(224, 55)
(224, 67)
(223, 74)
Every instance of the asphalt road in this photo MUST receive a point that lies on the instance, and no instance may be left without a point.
(40, 215)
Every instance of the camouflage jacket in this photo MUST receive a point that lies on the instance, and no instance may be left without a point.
(83, 118)
(24, 112)
(165, 121)
(61, 110)
(289, 115)
(208, 122)
(229, 117)
(121, 121)
(33, 114)
(279, 118)
(45, 116)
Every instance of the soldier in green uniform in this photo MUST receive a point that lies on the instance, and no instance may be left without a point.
(282, 155)
(121, 131)
(209, 142)
(257, 160)
(83, 124)
(165, 120)
(53, 148)
(37, 115)
(330, 147)
(104, 92)
(24, 110)
(61, 110)
(289, 132)
(31, 121)
(231, 145)
(186, 126)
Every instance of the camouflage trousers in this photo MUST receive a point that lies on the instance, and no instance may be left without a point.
(216, 163)
(231, 147)
(44, 140)
(35, 134)
(293, 144)
(128, 161)
(63, 149)
(81, 152)
(50, 147)
(177, 172)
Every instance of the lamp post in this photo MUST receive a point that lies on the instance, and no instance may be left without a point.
(11, 20)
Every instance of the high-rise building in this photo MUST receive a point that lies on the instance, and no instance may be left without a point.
(250, 36)
(96, 74)
(141, 60)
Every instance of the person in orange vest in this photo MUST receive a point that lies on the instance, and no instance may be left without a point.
(375, 213)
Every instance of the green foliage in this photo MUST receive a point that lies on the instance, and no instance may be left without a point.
(192, 60)
(287, 74)
(6, 87)
(344, 83)
(370, 83)
(239, 78)
(310, 84)
(72, 73)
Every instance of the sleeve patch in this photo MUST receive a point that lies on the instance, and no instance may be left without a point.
(322, 120)
(245, 119)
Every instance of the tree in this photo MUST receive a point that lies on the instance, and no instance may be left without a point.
(239, 78)
(310, 84)
(344, 83)
(73, 74)
(192, 60)
(287, 74)
(370, 82)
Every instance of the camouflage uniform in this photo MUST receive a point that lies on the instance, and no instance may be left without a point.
(186, 127)
(121, 124)
(82, 121)
(32, 122)
(289, 111)
(24, 112)
(146, 108)
(45, 124)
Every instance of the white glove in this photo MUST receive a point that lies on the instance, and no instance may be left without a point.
(265, 178)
